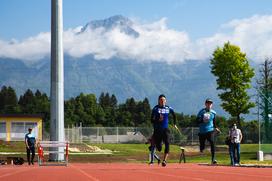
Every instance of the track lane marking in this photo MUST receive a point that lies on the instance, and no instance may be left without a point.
(84, 173)
(15, 172)
(175, 176)
(233, 173)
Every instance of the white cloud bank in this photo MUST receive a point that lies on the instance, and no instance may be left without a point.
(30, 49)
(156, 42)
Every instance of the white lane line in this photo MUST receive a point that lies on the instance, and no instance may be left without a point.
(15, 172)
(175, 176)
(84, 173)
(228, 172)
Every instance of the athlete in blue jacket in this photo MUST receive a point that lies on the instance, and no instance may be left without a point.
(159, 118)
(207, 126)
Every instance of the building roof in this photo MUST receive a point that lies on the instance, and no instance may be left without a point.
(22, 115)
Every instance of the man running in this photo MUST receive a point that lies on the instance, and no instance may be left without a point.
(159, 118)
(207, 126)
(152, 151)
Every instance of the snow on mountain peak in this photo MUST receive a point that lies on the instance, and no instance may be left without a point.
(117, 21)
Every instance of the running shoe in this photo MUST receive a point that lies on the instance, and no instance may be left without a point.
(159, 161)
(164, 163)
(214, 162)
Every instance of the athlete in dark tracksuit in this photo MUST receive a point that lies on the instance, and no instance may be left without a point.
(30, 143)
(159, 118)
(152, 150)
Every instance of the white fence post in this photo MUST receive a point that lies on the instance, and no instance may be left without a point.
(192, 135)
(97, 134)
(117, 133)
(80, 132)
(68, 134)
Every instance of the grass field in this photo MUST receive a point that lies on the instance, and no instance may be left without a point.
(139, 153)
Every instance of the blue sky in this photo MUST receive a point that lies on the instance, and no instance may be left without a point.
(197, 25)
(20, 19)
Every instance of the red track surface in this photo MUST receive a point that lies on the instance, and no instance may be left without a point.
(132, 171)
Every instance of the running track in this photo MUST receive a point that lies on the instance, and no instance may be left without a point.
(133, 171)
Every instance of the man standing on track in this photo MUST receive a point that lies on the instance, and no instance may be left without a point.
(207, 127)
(30, 143)
(159, 118)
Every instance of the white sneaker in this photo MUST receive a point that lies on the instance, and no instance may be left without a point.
(214, 162)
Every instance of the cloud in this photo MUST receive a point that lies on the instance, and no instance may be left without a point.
(157, 42)
(30, 50)
(253, 35)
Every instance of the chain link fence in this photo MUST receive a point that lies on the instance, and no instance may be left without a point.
(186, 136)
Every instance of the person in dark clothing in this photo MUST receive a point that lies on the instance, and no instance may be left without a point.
(207, 127)
(159, 118)
(30, 142)
(152, 151)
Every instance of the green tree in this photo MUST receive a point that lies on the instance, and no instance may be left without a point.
(129, 111)
(265, 91)
(27, 102)
(124, 118)
(109, 107)
(104, 100)
(234, 74)
(8, 101)
(145, 112)
(100, 116)
(70, 117)
(35, 103)
(42, 106)
(86, 108)
(113, 101)
(251, 134)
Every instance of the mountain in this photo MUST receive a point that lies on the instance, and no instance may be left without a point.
(118, 21)
(186, 85)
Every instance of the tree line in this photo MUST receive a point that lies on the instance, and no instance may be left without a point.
(104, 111)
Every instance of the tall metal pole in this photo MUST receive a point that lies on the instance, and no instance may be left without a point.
(259, 122)
(56, 92)
(260, 155)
